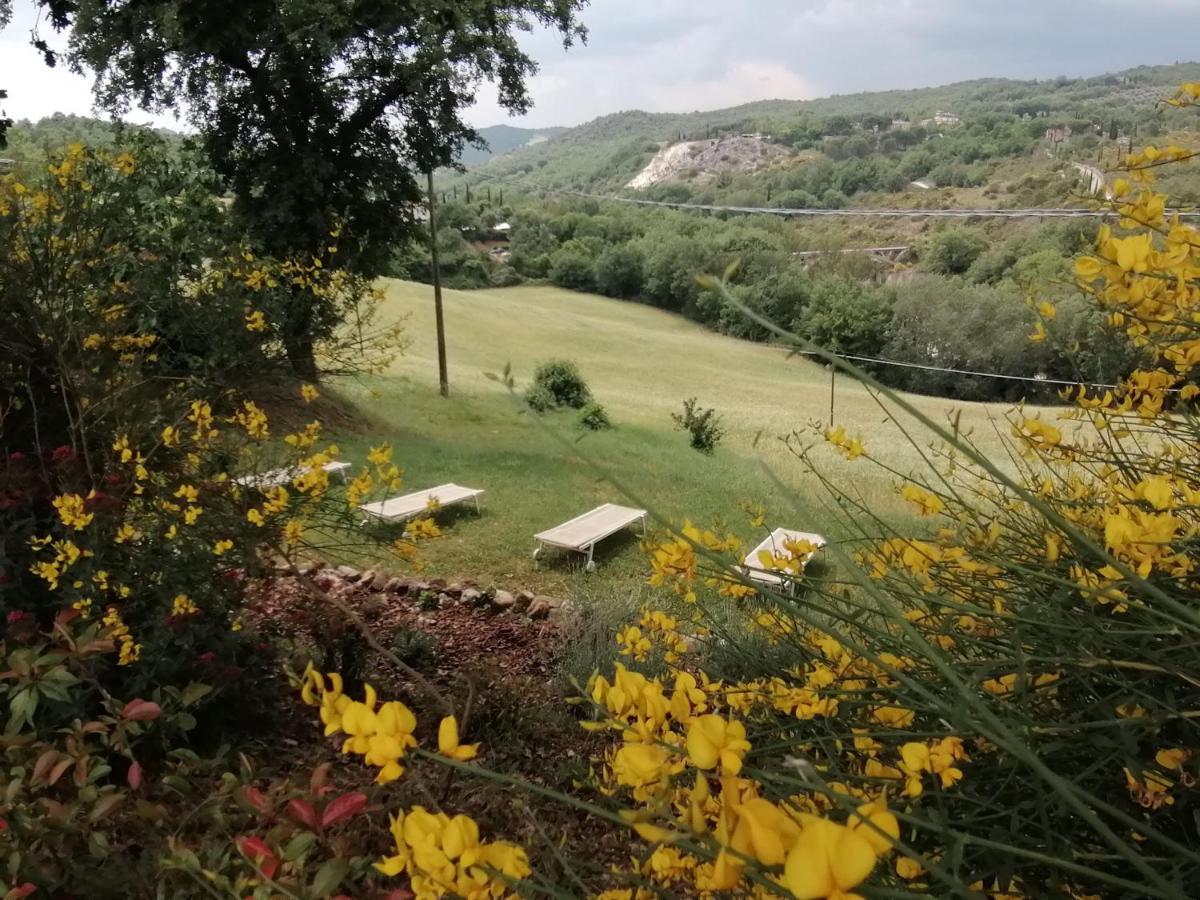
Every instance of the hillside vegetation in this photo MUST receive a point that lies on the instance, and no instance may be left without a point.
(879, 141)
(956, 296)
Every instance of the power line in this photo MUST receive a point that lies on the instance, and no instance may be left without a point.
(877, 213)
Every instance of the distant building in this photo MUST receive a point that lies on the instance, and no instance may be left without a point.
(901, 125)
(945, 118)
(502, 227)
(1058, 135)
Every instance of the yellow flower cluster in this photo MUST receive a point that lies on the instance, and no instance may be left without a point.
(66, 554)
(253, 419)
(200, 414)
(72, 510)
(655, 629)
(183, 605)
(668, 734)
(849, 447)
(380, 736)
(444, 857)
(673, 561)
(926, 502)
(128, 649)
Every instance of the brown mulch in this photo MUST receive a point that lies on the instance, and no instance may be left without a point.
(466, 636)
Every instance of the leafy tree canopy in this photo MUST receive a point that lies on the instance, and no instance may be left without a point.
(315, 113)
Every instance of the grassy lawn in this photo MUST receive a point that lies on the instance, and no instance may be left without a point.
(641, 363)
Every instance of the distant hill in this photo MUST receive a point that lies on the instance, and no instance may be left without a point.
(503, 139)
(608, 152)
(29, 143)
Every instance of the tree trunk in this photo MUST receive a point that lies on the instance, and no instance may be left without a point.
(302, 358)
(298, 338)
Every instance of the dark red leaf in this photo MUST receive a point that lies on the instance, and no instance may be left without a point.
(343, 808)
(303, 812)
(134, 775)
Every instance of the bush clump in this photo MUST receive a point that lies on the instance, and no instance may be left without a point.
(558, 384)
(595, 418)
(702, 423)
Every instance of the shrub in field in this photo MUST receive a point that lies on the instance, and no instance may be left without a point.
(416, 648)
(540, 399)
(702, 424)
(557, 384)
(594, 417)
(571, 266)
(618, 271)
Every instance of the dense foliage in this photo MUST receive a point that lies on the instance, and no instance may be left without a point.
(138, 508)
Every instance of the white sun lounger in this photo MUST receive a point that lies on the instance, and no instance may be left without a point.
(582, 533)
(276, 477)
(774, 543)
(409, 505)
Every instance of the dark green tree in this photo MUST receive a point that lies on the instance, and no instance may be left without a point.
(317, 114)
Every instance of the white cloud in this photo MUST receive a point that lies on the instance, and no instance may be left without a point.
(742, 82)
(34, 89)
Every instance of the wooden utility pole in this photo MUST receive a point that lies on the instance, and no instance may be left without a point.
(443, 376)
(832, 386)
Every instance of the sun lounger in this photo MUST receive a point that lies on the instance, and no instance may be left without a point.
(409, 505)
(582, 533)
(276, 477)
(775, 543)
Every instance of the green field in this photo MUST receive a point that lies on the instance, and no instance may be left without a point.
(641, 363)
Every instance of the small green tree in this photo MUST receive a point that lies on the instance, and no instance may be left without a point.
(572, 267)
(701, 423)
(846, 316)
(618, 271)
(951, 252)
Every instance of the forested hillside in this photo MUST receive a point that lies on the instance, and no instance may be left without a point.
(30, 144)
(855, 144)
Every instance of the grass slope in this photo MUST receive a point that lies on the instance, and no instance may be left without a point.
(641, 364)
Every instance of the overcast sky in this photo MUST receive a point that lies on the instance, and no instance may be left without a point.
(683, 55)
